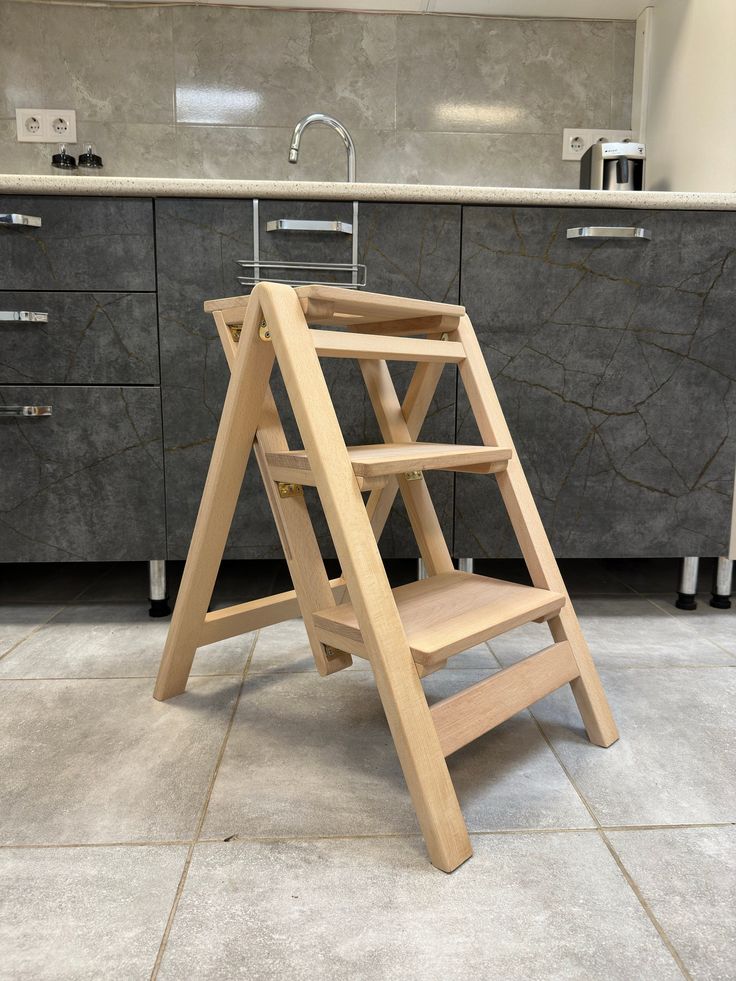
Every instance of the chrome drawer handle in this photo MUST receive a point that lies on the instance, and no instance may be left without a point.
(20, 220)
(26, 410)
(609, 231)
(24, 316)
(308, 225)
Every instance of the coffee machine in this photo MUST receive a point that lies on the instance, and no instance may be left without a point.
(613, 166)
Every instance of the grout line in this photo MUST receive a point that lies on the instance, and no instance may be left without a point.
(674, 953)
(389, 835)
(202, 815)
(679, 619)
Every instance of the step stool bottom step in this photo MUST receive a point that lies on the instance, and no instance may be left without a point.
(447, 614)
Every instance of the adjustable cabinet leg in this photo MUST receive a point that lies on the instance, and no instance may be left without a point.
(722, 579)
(157, 595)
(422, 570)
(688, 584)
(465, 565)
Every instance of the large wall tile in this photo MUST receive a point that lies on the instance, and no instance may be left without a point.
(107, 63)
(497, 159)
(270, 68)
(262, 153)
(502, 75)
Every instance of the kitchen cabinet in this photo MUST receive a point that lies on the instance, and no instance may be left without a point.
(82, 244)
(85, 482)
(87, 339)
(615, 363)
(408, 249)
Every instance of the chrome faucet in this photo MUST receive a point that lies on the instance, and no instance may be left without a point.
(320, 117)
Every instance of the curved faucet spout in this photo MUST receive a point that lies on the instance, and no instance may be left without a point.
(320, 117)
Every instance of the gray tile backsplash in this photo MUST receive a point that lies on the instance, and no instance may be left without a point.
(214, 92)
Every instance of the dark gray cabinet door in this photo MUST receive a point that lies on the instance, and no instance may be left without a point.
(82, 244)
(89, 339)
(86, 482)
(412, 250)
(615, 363)
(198, 243)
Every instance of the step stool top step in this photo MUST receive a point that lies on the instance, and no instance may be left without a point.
(449, 613)
(381, 459)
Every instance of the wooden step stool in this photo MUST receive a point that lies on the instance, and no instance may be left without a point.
(407, 632)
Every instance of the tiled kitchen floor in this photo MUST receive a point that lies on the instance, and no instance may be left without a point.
(258, 826)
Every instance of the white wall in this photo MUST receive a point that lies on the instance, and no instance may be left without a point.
(691, 104)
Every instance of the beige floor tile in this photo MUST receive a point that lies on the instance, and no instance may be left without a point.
(81, 914)
(676, 758)
(102, 761)
(313, 756)
(536, 906)
(112, 640)
(688, 877)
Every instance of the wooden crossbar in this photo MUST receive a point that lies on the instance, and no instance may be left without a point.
(232, 621)
(336, 344)
(467, 715)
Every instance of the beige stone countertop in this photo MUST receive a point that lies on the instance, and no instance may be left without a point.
(340, 190)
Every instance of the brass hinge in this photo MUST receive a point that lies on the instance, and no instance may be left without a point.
(290, 490)
(263, 332)
(413, 474)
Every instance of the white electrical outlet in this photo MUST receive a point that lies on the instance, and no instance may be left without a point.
(576, 141)
(46, 125)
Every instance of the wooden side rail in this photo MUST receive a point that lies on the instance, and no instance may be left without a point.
(245, 617)
(467, 715)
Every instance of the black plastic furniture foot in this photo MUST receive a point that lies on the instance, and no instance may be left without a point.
(686, 601)
(720, 602)
(159, 607)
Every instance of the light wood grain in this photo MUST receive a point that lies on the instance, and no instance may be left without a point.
(339, 344)
(235, 435)
(467, 715)
(449, 613)
(399, 687)
(242, 618)
(381, 459)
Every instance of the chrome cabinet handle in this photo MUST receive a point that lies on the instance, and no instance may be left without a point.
(10, 219)
(609, 231)
(308, 225)
(25, 410)
(24, 316)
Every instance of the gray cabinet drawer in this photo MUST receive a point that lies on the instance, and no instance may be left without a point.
(86, 482)
(615, 363)
(88, 339)
(82, 244)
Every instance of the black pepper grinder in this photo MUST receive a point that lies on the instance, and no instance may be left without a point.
(64, 161)
(89, 162)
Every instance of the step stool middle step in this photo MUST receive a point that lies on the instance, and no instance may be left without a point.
(447, 614)
(383, 459)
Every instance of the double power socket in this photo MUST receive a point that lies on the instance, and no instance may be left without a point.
(46, 125)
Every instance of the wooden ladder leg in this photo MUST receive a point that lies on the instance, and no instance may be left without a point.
(235, 435)
(399, 687)
(532, 538)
